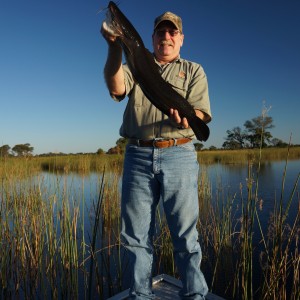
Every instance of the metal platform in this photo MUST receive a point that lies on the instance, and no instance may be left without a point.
(165, 287)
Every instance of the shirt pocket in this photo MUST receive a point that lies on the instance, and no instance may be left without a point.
(179, 85)
(136, 97)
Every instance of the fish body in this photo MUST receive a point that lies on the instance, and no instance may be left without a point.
(145, 71)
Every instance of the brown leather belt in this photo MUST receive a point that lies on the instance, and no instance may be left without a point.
(159, 143)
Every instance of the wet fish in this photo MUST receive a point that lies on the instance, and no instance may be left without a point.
(145, 71)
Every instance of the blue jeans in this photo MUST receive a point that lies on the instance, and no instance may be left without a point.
(170, 175)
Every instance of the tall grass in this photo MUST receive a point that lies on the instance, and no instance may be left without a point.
(84, 163)
(236, 265)
(57, 244)
(234, 243)
(78, 163)
(46, 251)
(245, 155)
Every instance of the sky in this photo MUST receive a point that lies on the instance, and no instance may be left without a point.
(52, 90)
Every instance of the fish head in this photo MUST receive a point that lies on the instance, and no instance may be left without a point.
(133, 47)
(110, 23)
(118, 25)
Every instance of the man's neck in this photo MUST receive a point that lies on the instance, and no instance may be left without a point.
(164, 62)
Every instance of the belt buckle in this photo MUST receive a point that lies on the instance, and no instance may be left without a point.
(156, 140)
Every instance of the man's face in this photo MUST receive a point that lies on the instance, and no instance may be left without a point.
(167, 41)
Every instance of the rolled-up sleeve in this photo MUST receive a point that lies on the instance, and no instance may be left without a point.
(128, 81)
(197, 92)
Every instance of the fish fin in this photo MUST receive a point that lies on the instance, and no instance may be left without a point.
(200, 128)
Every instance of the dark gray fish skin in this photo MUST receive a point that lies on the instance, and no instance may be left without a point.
(145, 71)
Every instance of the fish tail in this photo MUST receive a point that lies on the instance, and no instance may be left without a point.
(199, 127)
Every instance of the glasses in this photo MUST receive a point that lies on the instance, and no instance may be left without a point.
(172, 32)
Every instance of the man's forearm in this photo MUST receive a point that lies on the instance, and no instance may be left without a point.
(113, 71)
(203, 116)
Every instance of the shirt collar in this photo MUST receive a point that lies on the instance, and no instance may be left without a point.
(163, 65)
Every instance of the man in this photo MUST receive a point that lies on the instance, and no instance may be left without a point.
(160, 160)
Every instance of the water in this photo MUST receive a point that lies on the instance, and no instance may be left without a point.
(230, 180)
(82, 190)
(233, 179)
(275, 183)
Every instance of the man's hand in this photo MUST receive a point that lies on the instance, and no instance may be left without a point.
(182, 122)
(113, 71)
(108, 35)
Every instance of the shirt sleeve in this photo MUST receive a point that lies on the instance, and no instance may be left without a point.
(129, 83)
(197, 93)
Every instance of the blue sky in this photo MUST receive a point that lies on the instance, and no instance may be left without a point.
(52, 91)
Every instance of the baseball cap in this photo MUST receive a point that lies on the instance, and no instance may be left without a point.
(169, 16)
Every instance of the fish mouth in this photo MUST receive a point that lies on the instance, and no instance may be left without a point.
(110, 25)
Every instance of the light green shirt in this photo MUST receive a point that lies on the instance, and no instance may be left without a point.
(142, 120)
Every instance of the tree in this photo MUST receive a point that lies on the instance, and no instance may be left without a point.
(235, 139)
(4, 150)
(198, 146)
(100, 151)
(115, 150)
(231, 145)
(23, 149)
(119, 148)
(257, 131)
(121, 143)
(278, 143)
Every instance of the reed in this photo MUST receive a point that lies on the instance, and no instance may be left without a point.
(43, 254)
(216, 233)
(98, 207)
(280, 256)
(57, 244)
(229, 244)
(107, 256)
(85, 163)
(163, 247)
(245, 155)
